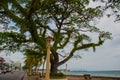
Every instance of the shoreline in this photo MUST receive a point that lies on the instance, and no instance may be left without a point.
(111, 73)
(95, 76)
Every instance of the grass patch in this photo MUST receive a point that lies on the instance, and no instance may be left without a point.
(57, 76)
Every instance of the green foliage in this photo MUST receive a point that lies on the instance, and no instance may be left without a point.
(25, 67)
(58, 75)
(114, 5)
(68, 21)
(36, 54)
(12, 41)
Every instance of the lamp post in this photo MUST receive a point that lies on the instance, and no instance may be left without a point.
(47, 75)
(66, 69)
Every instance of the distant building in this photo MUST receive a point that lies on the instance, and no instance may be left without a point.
(17, 65)
(1, 62)
(6, 64)
(1, 28)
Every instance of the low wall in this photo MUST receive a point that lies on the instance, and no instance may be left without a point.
(57, 79)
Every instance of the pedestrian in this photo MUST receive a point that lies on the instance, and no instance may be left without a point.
(4, 71)
(11, 71)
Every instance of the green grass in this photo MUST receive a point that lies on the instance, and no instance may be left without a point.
(58, 76)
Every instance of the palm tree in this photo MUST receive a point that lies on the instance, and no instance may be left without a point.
(33, 61)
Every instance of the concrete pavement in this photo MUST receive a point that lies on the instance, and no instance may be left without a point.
(16, 75)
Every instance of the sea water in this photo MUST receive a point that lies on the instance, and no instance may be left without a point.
(95, 73)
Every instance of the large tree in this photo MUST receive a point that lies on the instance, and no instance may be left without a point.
(69, 22)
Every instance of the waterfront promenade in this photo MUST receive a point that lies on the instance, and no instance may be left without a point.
(75, 77)
(15, 75)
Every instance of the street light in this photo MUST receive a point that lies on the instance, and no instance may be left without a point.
(48, 40)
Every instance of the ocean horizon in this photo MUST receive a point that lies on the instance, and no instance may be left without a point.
(113, 73)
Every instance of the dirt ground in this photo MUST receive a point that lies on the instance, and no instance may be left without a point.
(77, 78)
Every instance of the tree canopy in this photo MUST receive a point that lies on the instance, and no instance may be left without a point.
(69, 22)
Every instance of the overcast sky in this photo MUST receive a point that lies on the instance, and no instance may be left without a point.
(107, 56)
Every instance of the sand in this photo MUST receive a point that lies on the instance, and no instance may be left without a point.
(73, 77)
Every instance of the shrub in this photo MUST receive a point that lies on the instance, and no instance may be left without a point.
(58, 75)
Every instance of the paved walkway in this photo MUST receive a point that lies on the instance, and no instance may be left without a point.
(16, 75)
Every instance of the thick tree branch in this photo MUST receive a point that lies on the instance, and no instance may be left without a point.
(34, 6)
(79, 48)
(11, 14)
(83, 46)
(64, 43)
(68, 57)
(35, 36)
(19, 7)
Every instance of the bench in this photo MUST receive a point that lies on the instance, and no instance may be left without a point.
(87, 77)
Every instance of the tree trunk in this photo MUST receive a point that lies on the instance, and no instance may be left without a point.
(54, 67)
(54, 63)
